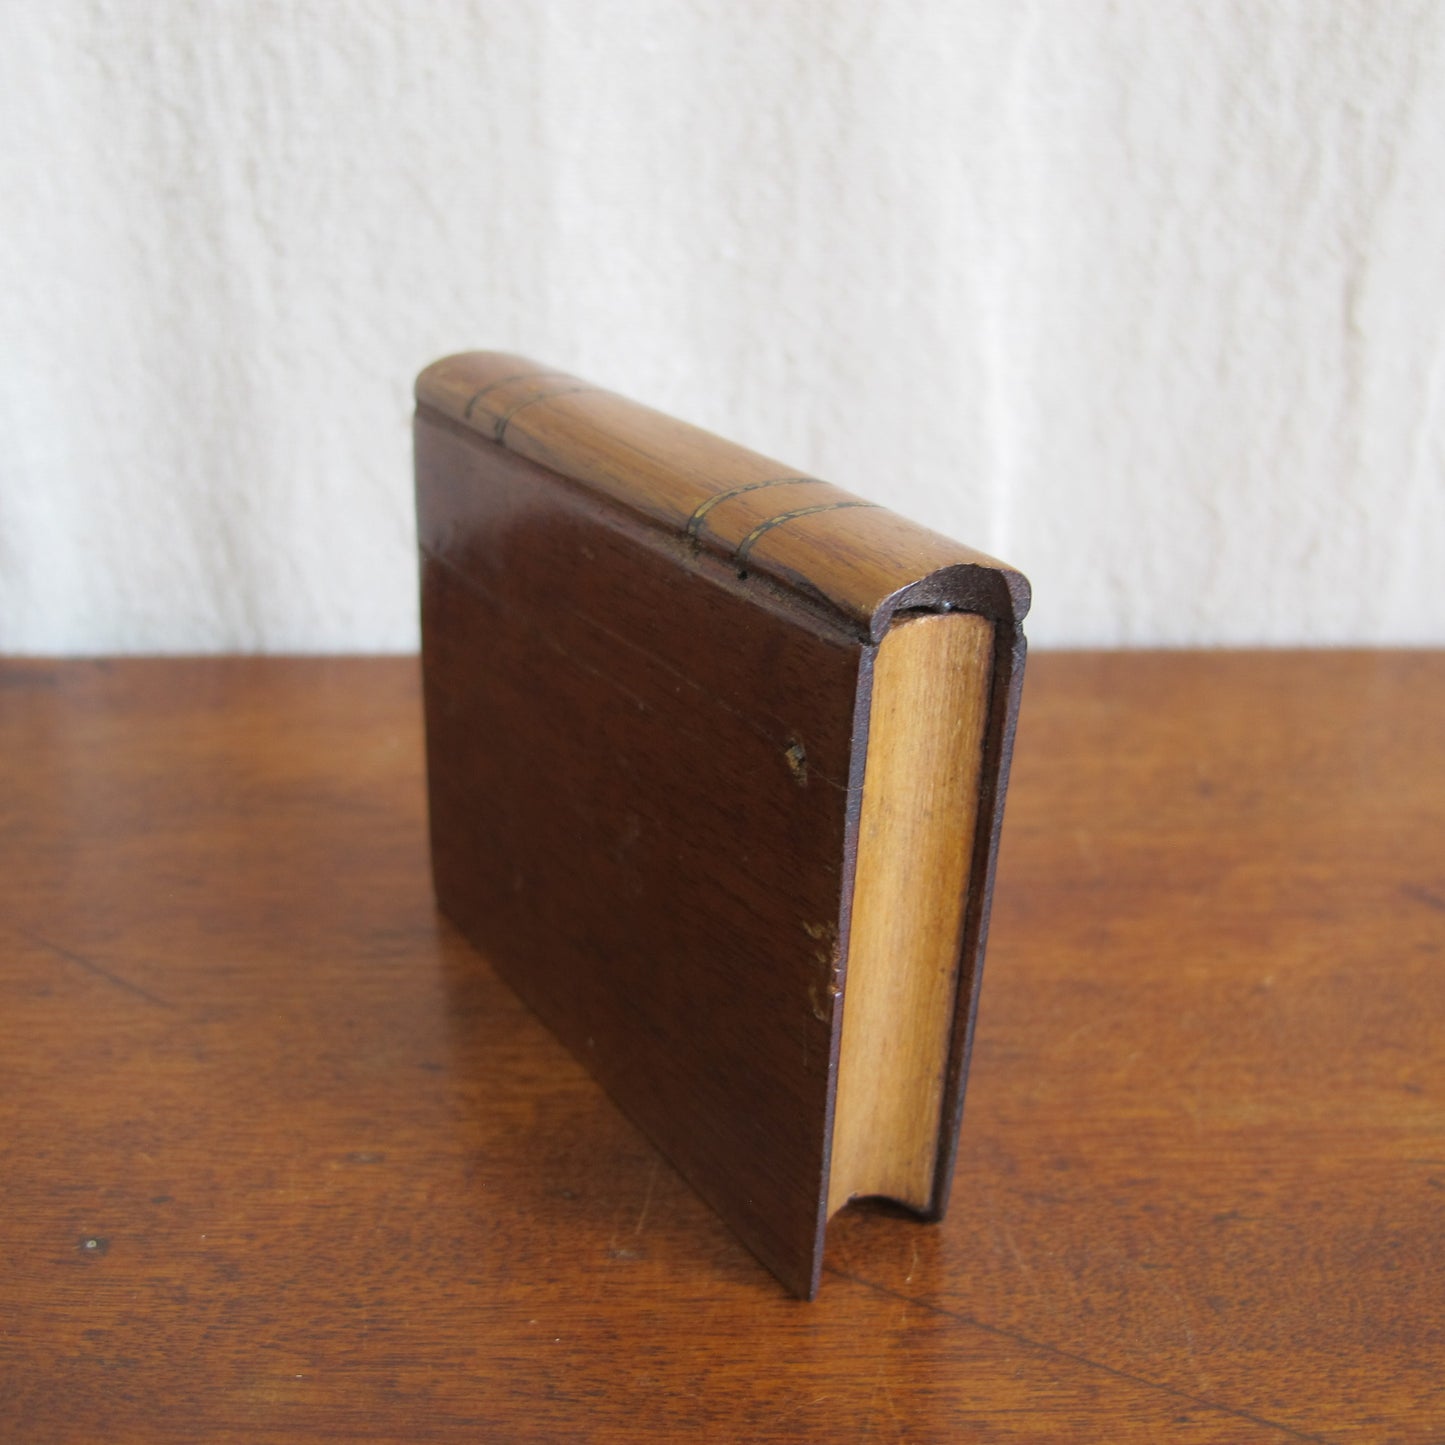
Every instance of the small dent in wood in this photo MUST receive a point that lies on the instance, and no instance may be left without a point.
(797, 759)
(815, 1003)
(823, 995)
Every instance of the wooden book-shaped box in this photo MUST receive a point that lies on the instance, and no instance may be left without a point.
(716, 757)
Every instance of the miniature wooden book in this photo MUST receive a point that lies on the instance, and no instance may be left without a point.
(716, 756)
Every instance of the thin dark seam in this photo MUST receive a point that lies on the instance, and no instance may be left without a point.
(1423, 895)
(694, 522)
(1078, 1359)
(476, 396)
(499, 431)
(90, 966)
(746, 545)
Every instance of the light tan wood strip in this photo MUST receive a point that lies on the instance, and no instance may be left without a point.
(915, 845)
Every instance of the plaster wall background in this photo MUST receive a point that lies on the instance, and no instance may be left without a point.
(1146, 298)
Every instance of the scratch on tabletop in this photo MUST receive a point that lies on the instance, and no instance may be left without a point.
(1163, 1283)
(1024, 1268)
(1423, 895)
(1074, 1035)
(797, 1405)
(622, 1251)
(884, 1383)
(647, 1197)
(91, 966)
(1058, 1353)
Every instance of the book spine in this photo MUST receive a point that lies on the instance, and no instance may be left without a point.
(765, 519)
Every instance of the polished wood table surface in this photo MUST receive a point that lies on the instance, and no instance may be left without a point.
(281, 1160)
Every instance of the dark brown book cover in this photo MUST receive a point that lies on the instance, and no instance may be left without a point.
(648, 656)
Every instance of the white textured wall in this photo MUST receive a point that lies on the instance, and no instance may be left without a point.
(1147, 297)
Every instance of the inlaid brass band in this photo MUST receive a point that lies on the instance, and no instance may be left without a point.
(500, 430)
(476, 396)
(694, 522)
(746, 545)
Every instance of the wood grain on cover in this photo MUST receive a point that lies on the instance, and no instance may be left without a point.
(915, 853)
(852, 556)
(641, 821)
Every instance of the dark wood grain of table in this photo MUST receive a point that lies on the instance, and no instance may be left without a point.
(281, 1160)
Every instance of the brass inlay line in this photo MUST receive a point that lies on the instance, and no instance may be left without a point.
(499, 431)
(746, 546)
(694, 522)
(476, 396)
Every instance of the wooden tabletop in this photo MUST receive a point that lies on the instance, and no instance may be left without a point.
(281, 1160)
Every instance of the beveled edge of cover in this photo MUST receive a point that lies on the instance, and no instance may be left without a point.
(760, 516)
